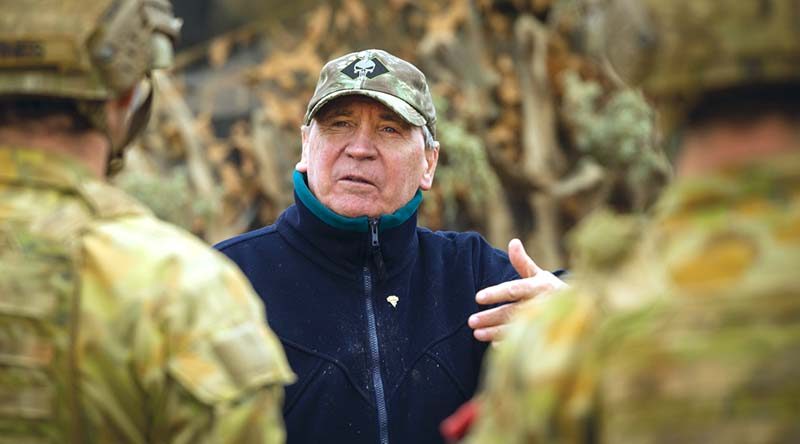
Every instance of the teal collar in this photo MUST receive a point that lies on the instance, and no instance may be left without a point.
(360, 224)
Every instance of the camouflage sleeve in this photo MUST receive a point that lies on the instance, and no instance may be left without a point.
(206, 368)
(538, 383)
(229, 368)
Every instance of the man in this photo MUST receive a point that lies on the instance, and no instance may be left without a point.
(372, 309)
(114, 327)
(683, 329)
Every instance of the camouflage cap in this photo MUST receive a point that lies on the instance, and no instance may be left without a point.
(381, 76)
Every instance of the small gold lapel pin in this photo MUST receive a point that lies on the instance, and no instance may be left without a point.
(393, 300)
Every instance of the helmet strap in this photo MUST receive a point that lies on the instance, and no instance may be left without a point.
(136, 119)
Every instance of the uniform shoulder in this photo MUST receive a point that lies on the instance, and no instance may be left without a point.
(148, 237)
(140, 257)
(145, 272)
(605, 240)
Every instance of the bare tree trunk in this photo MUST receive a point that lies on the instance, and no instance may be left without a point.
(270, 171)
(196, 161)
(541, 156)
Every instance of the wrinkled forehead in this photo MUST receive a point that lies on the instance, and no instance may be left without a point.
(353, 105)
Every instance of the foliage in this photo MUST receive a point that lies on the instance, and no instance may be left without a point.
(170, 197)
(616, 129)
(526, 151)
(464, 176)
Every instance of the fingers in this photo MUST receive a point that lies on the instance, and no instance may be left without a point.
(489, 325)
(490, 334)
(517, 290)
(492, 317)
(520, 260)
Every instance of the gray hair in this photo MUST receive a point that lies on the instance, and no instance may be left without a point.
(430, 142)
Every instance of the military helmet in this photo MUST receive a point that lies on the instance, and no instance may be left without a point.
(676, 50)
(87, 50)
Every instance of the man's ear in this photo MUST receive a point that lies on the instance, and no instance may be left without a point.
(302, 165)
(118, 112)
(431, 160)
(125, 99)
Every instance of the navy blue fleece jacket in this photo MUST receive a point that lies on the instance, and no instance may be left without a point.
(370, 371)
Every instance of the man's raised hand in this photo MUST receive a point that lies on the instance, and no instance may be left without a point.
(488, 325)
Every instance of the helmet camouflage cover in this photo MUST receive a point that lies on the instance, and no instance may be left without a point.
(88, 50)
(677, 49)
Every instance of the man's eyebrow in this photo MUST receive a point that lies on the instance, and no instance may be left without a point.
(335, 112)
(392, 117)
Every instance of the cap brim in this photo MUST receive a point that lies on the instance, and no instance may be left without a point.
(398, 105)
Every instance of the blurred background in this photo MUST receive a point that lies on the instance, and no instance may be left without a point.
(533, 137)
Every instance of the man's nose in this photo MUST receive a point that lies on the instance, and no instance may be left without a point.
(362, 145)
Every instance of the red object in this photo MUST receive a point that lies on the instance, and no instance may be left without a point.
(456, 426)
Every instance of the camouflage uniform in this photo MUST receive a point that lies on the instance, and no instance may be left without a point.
(115, 327)
(683, 328)
(694, 339)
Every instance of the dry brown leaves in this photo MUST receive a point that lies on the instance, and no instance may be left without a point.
(469, 54)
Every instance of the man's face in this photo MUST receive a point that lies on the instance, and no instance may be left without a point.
(362, 159)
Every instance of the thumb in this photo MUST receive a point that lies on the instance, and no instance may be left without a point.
(520, 260)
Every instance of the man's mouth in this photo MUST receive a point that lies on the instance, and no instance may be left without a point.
(357, 179)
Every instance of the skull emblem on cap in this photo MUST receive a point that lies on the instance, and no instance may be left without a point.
(363, 67)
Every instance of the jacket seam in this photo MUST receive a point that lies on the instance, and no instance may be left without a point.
(449, 372)
(330, 359)
(293, 402)
(425, 351)
(224, 245)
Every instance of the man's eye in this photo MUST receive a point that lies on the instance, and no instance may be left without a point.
(339, 123)
(391, 130)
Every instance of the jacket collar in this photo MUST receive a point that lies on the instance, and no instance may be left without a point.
(358, 224)
(342, 244)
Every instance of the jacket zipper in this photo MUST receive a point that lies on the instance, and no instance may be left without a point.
(372, 331)
(377, 256)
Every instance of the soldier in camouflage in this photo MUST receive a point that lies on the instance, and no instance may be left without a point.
(114, 327)
(684, 327)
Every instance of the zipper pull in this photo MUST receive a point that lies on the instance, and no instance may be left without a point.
(373, 230)
(377, 256)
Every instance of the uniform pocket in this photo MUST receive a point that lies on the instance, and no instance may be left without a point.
(37, 287)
